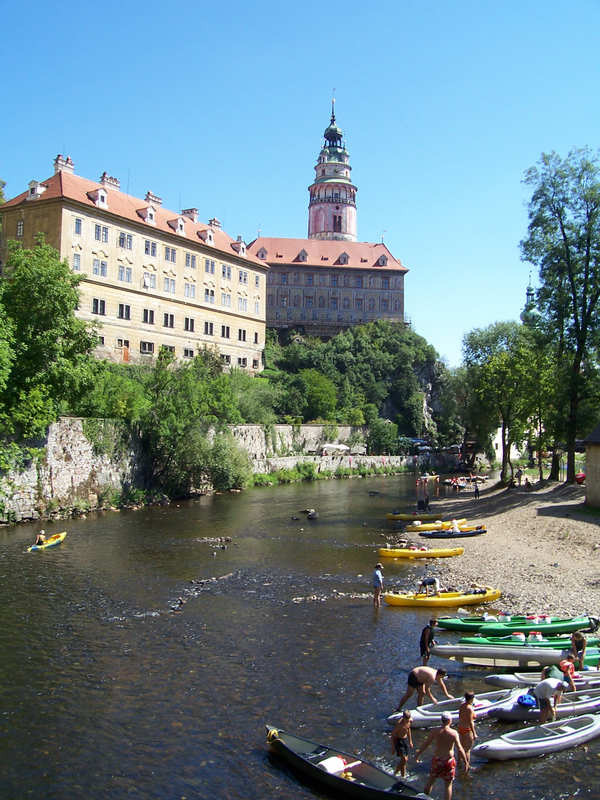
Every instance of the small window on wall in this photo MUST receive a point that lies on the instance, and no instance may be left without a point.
(147, 348)
(20, 228)
(255, 363)
(188, 352)
(76, 262)
(122, 343)
(78, 226)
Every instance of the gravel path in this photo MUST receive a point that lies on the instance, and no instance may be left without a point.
(541, 550)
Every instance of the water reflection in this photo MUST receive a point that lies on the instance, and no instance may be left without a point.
(108, 692)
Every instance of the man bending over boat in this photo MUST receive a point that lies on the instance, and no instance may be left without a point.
(428, 583)
(549, 693)
(420, 680)
(443, 763)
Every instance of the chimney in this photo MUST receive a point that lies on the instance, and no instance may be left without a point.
(109, 182)
(63, 164)
(214, 223)
(190, 213)
(153, 198)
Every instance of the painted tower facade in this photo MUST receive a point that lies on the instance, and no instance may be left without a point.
(332, 204)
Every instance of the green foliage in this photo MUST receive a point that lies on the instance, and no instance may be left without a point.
(382, 437)
(117, 392)
(109, 437)
(227, 465)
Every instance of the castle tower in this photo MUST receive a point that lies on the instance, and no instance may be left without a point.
(332, 205)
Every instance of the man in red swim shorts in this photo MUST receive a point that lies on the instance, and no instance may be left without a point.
(443, 763)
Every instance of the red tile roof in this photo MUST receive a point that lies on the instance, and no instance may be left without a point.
(323, 253)
(73, 187)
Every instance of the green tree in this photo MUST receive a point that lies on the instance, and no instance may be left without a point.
(51, 367)
(382, 437)
(497, 363)
(564, 243)
(320, 395)
(2, 185)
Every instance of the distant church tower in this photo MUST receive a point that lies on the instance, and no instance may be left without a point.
(332, 205)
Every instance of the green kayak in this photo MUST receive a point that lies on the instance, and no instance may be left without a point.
(496, 626)
(532, 640)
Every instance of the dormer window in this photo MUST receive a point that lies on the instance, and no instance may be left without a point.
(302, 255)
(36, 189)
(178, 225)
(382, 261)
(207, 236)
(343, 258)
(262, 254)
(148, 214)
(99, 197)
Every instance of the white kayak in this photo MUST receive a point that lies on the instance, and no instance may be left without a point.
(499, 656)
(539, 740)
(516, 679)
(428, 716)
(571, 704)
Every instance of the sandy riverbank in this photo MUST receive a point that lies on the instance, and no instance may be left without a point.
(542, 548)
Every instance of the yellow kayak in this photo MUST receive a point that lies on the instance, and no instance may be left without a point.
(52, 541)
(414, 516)
(435, 526)
(422, 552)
(471, 597)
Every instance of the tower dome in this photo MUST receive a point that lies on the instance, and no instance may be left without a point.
(332, 204)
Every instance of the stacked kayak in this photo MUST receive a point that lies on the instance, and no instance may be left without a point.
(541, 739)
(503, 624)
(433, 526)
(470, 597)
(420, 552)
(533, 639)
(428, 716)
(586, 701)
(414, 516)
(52, 541)
(494, 655)
(520, 679)
(463, 530)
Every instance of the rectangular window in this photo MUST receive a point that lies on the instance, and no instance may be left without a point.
(190, 260)
(333, 303)
(241, 335)
(188, 324)
(170, 254)
(256, 337)
(78, 226)
(149, 280)
(209, 266)
(257, 306)
(208, 328)
(124, 311)
(242, 362)
(168, 320)
(189, 290)
(358, 304)
(150, 248)
(358, 282)
(225, 299)
(226, 272)
(147, 347)
(384, 305)
(100, 268)
(188, 352)
(243, 276)
(148, 316)
(225, 358)
(125, 273)
(385, 283)
(334, 280)
(257, 281)
(225, 331)
(242, 304)
(76, 262)
(169, 285)
(169, 347)
(125, 240)
(123, 343)
(98, 306)
(309, 280)
(101, 340)
(209, 295)
(284, 279)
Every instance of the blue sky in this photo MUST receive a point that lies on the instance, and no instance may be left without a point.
(444, 105)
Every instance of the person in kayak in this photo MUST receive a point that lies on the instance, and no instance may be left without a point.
(443, 763)
(420, 680)
(40, 538)
(427, 641)
(466, 725)
(401, 741)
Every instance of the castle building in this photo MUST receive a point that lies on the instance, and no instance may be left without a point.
(330, 281)
(152, 277)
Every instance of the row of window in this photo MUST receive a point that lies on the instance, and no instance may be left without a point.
(317, 316)
(147, 348)
(356, 281)
(148, 318)
(333, 303)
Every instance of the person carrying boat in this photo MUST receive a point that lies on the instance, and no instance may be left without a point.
(427, 641)
(426, 583)
(420, 680)
(40, 538)
(466, 725)
(549, 693)
(377, 585)
(443, 763)
(401, 741)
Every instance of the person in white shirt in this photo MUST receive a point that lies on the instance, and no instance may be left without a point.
(549, 694)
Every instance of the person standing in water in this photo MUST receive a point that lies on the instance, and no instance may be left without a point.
(377, 585)
(443, 763)
(401, 741)
(466, 725)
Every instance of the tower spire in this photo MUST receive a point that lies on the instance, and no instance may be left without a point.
(333, 107)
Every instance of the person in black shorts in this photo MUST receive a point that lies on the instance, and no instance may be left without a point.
(427, 641)
(401, 741)
(421, 679)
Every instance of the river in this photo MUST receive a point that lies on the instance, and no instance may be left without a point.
(109, 693)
